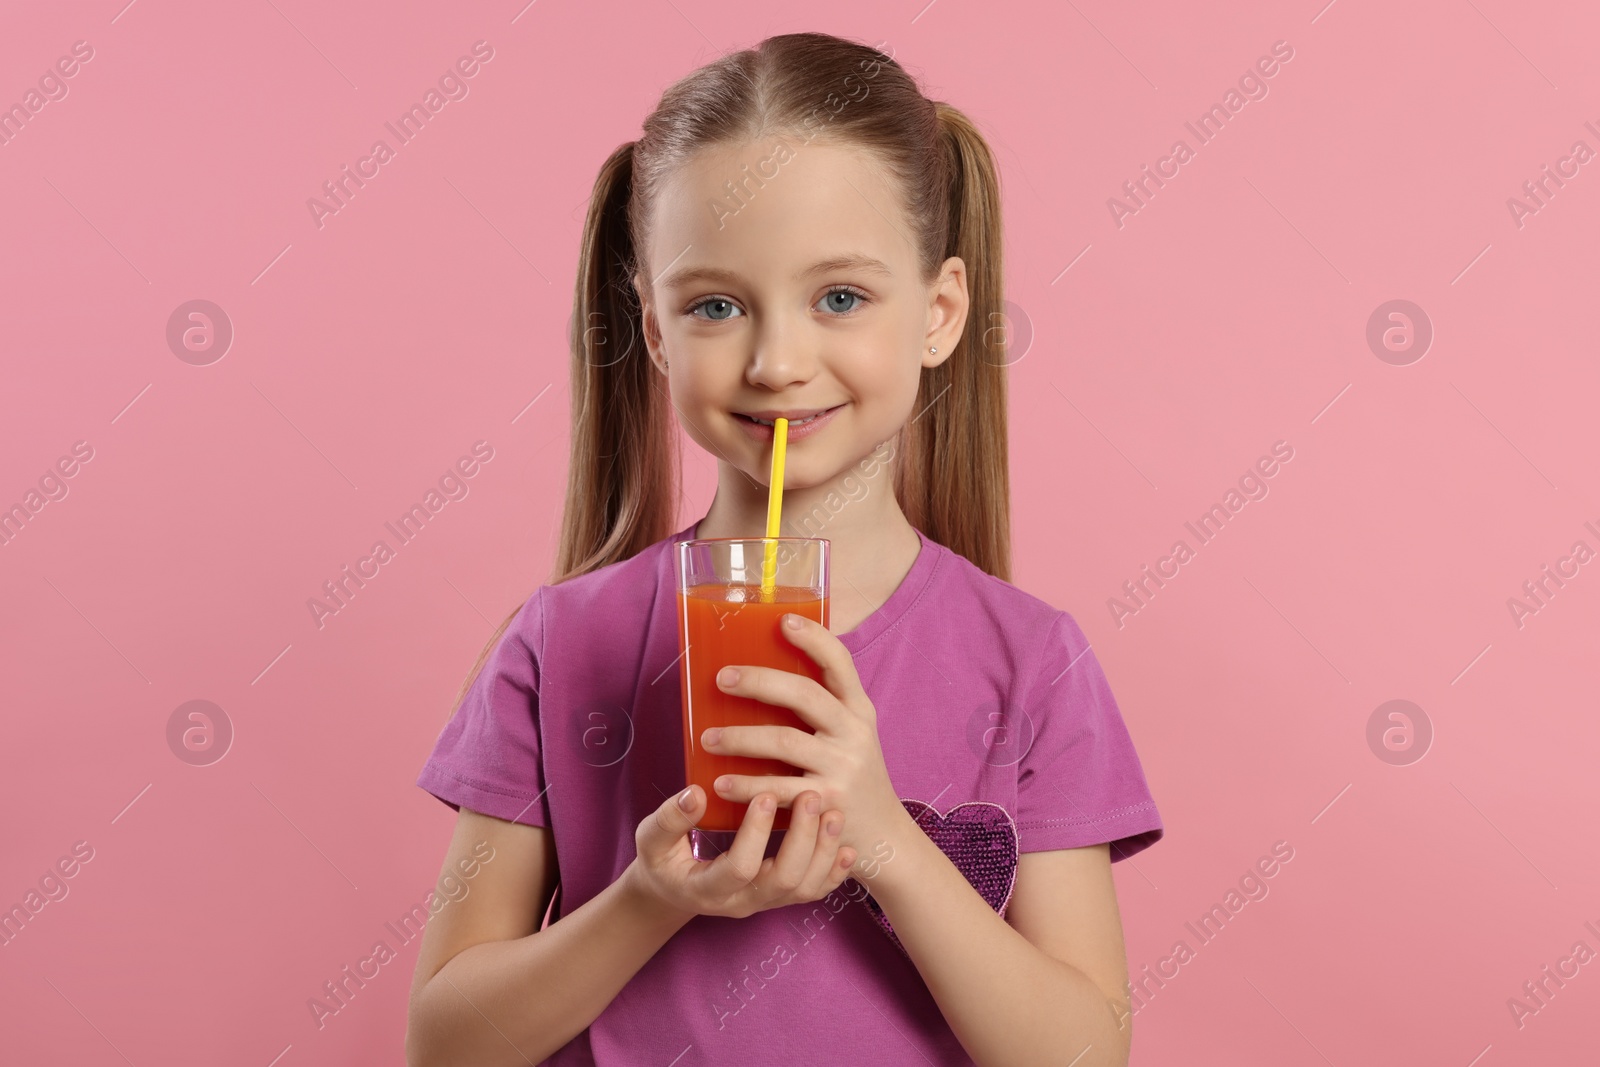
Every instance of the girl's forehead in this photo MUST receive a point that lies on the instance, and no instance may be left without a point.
(774, 207)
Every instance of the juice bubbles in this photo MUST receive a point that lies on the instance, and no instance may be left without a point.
(721, 624)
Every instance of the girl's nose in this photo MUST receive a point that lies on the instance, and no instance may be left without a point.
(781, 358)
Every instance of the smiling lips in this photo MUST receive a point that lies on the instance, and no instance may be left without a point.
(803, 422)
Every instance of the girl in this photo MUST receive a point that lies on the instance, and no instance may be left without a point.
(799, 232)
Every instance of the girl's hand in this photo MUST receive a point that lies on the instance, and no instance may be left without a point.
(842, 760)
(809, 865)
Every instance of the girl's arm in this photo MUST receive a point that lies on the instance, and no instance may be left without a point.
(1046, 987)
(491, 987)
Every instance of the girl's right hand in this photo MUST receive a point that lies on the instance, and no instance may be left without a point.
(740, 882)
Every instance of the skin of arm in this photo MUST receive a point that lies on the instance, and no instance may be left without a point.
(490, 987)
(1043, 985)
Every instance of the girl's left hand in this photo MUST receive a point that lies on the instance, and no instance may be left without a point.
(842, 760)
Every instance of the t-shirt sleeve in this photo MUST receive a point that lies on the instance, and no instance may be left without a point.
(1079, 781)
(487, 758)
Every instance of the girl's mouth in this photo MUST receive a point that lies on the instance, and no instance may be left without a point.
(799, 429)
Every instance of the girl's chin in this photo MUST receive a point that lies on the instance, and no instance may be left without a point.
(803, 476)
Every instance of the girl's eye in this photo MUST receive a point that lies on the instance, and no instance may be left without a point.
(843, 299)
(830, 298)
(723, 308)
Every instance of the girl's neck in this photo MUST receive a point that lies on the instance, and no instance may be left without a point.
(872, 545)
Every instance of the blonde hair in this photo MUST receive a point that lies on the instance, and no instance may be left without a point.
(951, 468)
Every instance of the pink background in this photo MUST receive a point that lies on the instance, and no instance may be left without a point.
(1229, 313)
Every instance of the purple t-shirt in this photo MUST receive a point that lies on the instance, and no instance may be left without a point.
(574, 724)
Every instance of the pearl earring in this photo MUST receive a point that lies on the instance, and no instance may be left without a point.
(935, 351)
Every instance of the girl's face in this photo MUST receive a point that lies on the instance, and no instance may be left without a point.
(805, 298)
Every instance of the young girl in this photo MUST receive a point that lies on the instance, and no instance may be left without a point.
(799, 232)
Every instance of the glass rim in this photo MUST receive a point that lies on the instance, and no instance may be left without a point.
(748, 540)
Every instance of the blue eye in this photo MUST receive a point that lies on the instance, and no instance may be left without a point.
(721, 309)
(714, 301)
(844, 290)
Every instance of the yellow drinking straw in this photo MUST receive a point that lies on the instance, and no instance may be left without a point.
(769, 558)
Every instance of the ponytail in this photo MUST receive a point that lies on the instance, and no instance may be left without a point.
(622, 475)
(953, 480)
(623, 472)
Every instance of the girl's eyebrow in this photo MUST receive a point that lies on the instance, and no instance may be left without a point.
(849, 261)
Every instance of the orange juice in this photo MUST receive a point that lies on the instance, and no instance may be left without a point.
(721, 625)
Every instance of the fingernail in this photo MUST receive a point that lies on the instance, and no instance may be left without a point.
(768, 804)
(793, 621)
(833, 827)
(723, 783)
(728, 676)
(686, 799)
(813, 805)
(713, 735)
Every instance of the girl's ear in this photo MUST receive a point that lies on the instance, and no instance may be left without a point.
(650, 325)
(948, 302)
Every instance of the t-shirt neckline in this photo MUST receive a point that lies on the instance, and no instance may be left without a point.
(875, 624)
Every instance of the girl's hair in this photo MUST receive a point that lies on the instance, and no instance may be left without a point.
(951, 469)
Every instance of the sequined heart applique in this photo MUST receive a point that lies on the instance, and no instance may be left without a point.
(980, 839)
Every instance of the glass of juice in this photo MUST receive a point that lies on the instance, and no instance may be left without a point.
(725, 618)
